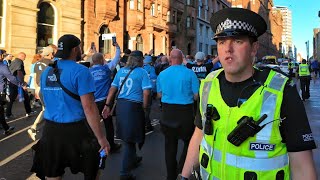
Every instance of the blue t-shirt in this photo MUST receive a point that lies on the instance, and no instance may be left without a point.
(102, 79)
(178, 84)
(137, 81)
(61, 107)
(152, 75)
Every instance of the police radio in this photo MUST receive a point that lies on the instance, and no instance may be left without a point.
(246, 127)
(211, 114)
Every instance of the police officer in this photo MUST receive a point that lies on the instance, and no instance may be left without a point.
(177, 87)
(305, 78)
(72, 135)
(132, 101)
(251, 123)
(290, 67)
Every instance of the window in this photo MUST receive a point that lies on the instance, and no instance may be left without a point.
(199, 11)
(139, 45)
(131, 4)
(200, 29)
(174, 19)
(104, 45)
(188, 23)
(139, 5)
(153, 8)
(45, 27)
(200, 47)
(189, 2)
(168, 16)
(159, 9)
(192, 21)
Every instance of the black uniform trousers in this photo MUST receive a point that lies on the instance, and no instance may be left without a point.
(13, 95)
(108, 124)
(305, 84)
(3, 122)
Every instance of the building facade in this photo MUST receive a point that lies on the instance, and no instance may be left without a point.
(30, 25)
(287, 31)
(263, 8)
(205, 9)
(316, 43)
(276, 23)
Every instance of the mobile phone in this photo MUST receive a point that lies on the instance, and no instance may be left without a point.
(114, 40)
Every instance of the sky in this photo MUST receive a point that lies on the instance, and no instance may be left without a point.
(304, 20)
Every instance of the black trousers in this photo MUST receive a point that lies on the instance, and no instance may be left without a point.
(173, 166)
(305, 90)
(13, 95)
(2, 118)
(108, 124)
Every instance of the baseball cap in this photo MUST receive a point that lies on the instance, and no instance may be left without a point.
(199, 56)
(147, 59)
(65, 44)
(46, 51)
(136, 54)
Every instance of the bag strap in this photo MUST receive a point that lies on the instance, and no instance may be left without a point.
(56, 72)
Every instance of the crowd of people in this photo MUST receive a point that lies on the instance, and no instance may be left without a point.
(236, 121)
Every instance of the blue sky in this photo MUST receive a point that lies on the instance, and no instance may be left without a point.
(304, 19)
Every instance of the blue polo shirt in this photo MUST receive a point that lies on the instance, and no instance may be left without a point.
(133, 88)
(60, 107)
(178, 84)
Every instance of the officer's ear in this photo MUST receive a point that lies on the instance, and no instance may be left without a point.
(254, 48)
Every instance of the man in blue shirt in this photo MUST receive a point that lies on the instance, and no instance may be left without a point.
(132, 100)
(153, 77)
(178, 88)
(72, 135)
(101, 74)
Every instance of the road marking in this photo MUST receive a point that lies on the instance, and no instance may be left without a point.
(18, 153)
(15, 133)
(16, 119)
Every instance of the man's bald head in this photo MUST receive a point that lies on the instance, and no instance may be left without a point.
(176, 57)
(97, 58)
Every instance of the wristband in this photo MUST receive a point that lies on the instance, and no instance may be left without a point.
(108, 105)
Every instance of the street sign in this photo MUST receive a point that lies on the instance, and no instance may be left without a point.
(108, 36)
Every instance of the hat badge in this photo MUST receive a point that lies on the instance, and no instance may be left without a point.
(227, 24)
(60, 46)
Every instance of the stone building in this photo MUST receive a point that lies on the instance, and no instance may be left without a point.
(30, 25)
(206, 8)
(140, 25)
(276, 23)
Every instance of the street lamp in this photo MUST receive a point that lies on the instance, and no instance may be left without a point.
(307, 46)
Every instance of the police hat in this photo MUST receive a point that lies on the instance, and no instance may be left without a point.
(231, 22)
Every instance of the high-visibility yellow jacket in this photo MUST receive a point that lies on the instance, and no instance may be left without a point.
(262, 157)
(304, 70)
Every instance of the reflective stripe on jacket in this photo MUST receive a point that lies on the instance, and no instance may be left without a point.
(261, 157)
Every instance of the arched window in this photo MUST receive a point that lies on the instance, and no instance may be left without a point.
(104, 45)
(139, 45)
(46, 23)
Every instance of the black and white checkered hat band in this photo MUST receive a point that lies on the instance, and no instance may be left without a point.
(229, 24)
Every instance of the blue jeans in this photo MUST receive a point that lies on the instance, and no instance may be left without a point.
(129, 157)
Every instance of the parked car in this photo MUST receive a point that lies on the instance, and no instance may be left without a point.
(284, 67)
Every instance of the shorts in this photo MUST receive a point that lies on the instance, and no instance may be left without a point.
(66, 145)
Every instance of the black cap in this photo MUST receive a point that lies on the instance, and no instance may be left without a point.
(230, 22)
(136, 54)
(65, 44)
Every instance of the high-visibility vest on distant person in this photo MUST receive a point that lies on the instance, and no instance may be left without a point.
(261, 157)
(304, 70)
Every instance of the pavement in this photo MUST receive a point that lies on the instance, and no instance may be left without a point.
(16, 156)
